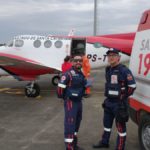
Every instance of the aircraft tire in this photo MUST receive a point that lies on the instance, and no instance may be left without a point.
(32, 92)
(55, 80)
(144, 132)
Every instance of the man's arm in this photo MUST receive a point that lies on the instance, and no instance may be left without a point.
(130, 83)
(62, 85)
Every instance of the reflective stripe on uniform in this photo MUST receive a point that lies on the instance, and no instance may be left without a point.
(74, 94)
(107, 129)
(62, 85)
(68, 140)
(113, 92)
(122, 134)
(132, 85)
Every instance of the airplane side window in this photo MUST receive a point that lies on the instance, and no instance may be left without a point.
(58, 44)
(19, 43)
(10, 44)
(97, 45)
(47, 44)
(37, 43)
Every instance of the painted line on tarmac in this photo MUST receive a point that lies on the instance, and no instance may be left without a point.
(16, 93)
(4, 89)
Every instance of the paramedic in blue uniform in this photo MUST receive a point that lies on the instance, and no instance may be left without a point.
(120, 84)
(71, 88)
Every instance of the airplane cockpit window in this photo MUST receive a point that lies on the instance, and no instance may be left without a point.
(47, 44)
(10, 43)
(97, 45)
(58, 44)
(19, 43)
(37, 43)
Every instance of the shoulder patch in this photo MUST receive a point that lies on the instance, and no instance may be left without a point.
(129, 77)
(63, 78)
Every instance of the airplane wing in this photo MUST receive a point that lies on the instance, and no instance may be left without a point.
(22, 68)
(124, 36)
(122, 42)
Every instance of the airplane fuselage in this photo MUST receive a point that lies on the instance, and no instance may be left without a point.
(50, 51)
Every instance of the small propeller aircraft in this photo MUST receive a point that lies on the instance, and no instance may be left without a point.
(28, 56)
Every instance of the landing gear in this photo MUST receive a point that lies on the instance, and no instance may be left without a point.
(32, 90)
(55, 80)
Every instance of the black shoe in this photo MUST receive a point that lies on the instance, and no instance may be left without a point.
(78, 148)
(87, 95)
(101, 145)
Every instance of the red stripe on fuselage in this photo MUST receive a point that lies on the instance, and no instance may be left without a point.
(17, 57)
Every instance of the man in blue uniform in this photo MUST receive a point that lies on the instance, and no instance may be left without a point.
(120, 84)
(71, 88)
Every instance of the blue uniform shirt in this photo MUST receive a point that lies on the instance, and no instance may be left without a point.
(120, 82)
(72, 85)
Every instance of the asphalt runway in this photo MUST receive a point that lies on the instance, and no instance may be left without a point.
(37, 123)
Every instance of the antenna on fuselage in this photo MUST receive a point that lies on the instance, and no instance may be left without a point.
(71, 32)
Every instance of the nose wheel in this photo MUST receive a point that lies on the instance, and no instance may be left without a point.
(32, 90)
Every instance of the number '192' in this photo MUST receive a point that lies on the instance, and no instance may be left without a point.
(146, 60)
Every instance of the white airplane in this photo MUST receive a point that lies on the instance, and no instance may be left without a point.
(28, 56)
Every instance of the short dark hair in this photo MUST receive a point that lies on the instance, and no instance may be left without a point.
(67, 58)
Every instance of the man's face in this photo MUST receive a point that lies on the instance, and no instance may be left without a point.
(77, 62)
(113, 58)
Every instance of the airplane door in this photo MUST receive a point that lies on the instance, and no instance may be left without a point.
(78, 46)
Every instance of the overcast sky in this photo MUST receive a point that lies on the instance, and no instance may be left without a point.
(57, 17)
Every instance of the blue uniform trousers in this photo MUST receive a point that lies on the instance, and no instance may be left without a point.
(73, 117)
(110, 110)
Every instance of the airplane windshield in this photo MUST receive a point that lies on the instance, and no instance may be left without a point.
(10, 43)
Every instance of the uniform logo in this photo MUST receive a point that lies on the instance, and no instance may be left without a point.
(63, 78)
(129, 77)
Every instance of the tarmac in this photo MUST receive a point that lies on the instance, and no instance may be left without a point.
(37, 123)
